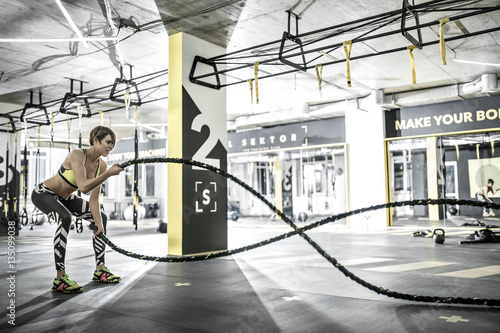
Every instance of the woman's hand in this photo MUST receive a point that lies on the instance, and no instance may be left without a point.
(99, 229)
(115, 169)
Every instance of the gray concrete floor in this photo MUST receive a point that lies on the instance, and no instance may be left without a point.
(283, 287)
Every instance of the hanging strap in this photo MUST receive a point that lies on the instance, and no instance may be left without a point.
(250, 82)
(319, 75)
(412, 62)
(477, 150)
(492, 148)
(68, 122)
(458, 152)
(102, 117)
(126, 98)
(347, 51)
(441, 39)
(256, 73)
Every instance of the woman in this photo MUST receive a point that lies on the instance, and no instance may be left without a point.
(482, 195)
(81, 170)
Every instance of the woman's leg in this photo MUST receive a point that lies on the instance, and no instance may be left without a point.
(482, 198)
(47, 201)
(81, 209)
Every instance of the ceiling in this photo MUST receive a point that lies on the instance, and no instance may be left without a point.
(46, 64)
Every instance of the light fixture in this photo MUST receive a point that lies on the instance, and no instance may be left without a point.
(476, 62)
(72, 23)
(56, 40)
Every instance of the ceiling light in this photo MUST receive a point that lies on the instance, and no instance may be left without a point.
(72, 23)
(55, 40)
(477, 62)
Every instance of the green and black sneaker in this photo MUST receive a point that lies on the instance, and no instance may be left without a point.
(65, 285)
(105, 275)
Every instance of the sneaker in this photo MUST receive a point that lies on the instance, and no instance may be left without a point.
(105, 275)
(485, 214)
(66, 285)
(492, 214)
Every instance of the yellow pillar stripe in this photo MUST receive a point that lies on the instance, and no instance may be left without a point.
(441, 39)
(256, 73)
(412, 62)
(174, 203)
(347, 51)
(319, 75)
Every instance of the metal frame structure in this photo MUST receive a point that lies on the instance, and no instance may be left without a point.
(246, 58)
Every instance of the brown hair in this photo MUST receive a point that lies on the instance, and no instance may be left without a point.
(99, 133)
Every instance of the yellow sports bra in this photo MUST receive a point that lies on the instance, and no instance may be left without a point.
(69, 176)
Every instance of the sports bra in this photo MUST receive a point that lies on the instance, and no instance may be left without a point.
(69, 176)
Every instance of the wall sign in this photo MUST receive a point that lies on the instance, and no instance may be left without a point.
(309, 133)
(458, 116)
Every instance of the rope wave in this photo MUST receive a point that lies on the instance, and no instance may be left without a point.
(301, 232)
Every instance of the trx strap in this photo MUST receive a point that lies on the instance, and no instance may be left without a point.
(319, 75)
(412, 62)
(51, 139)
(477, 150)
(347, 51)
(68, 121)
(14, 180)
(250, 82)
(256, 73)
(24, 176)
(458, 152)
(6, 199)
(103, 185)
(126, 98)
(492, 148)
(36, 212)
(135, 199)
(78, 221)
(441, 39)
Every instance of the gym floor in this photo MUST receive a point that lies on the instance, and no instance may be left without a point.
(283, 287)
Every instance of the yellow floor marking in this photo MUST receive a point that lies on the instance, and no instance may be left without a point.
(475, 272)
(410, 267)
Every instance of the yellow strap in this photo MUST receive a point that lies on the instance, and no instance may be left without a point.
(256, 72)
(102, 117)
(136, 201)
(319, 75)
(126, 98)
(458, 152)
(80, 113)
(412, 61)
(493, 148)
(250, 82)
(347, 52)
(441, 39)
(38, 135)
(477, 150)
(136, 111)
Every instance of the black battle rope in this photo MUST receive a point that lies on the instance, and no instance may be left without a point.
(300, 231)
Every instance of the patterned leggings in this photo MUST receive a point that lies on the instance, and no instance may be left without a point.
(60, 210)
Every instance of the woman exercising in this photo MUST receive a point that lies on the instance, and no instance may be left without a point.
(81, 170)
(482, 195)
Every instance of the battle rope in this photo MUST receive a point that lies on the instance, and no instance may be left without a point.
(300, 231)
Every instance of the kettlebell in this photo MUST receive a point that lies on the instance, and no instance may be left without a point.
(439, 236)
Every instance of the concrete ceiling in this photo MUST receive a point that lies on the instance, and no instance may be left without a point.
(141, 29)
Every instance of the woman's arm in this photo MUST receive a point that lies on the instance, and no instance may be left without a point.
(86, 185)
